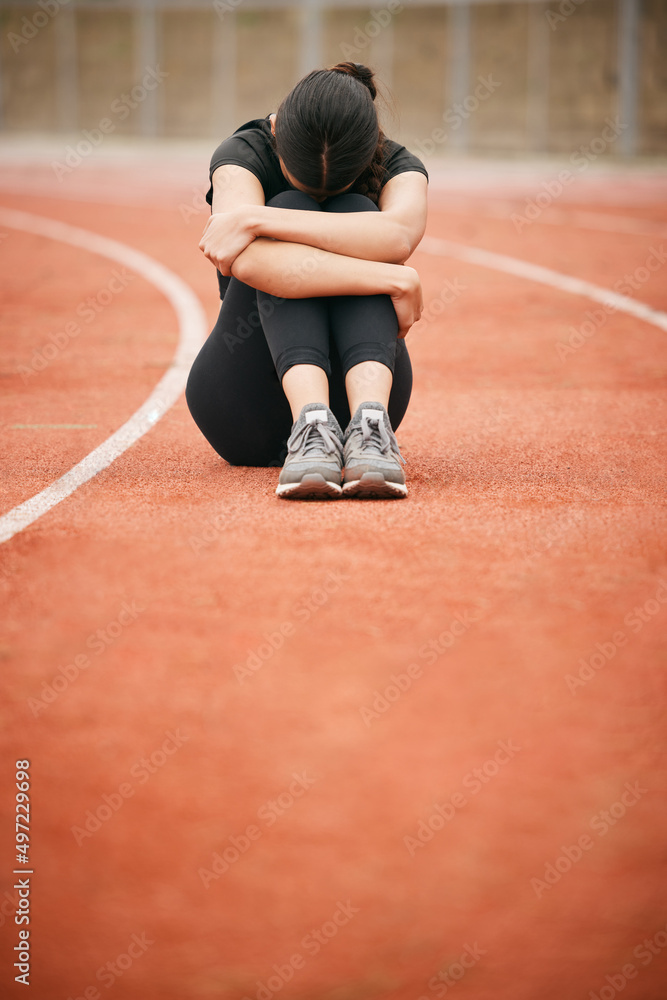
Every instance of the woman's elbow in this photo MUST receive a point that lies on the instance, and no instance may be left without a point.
(410, 243)
(242, 269)
(405, 240)
(397, 251)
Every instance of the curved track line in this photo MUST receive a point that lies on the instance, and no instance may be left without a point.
(571, 218)
(545, 276)
(193, 331)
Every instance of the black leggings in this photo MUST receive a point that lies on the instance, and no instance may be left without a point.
(234, 389)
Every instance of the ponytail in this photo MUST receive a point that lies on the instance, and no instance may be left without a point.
(360, 72)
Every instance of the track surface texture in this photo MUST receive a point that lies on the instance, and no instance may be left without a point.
(341, 750)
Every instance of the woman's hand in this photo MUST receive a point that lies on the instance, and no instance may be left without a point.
(407, 298)
(225, 236)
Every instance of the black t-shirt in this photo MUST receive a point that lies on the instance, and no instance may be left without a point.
(251, 147)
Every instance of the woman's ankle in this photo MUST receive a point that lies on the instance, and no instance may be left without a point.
(303, 384)
(369, 380)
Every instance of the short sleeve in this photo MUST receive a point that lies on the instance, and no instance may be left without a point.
(400, 160)
(247, 148)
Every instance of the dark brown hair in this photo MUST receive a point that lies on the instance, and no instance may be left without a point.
(327, 131)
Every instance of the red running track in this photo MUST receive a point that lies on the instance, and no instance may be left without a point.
(356, 750)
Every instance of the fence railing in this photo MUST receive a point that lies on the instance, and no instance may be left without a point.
(513, 76)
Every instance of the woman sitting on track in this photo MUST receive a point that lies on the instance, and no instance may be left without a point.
(315, 212)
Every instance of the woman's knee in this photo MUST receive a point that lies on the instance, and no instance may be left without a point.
(294, 199)
(350, 202)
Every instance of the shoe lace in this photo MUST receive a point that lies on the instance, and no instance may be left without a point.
(377, 437)
(314, 437)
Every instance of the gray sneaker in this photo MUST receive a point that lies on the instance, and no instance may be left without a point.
(372, 457)
(313, 466)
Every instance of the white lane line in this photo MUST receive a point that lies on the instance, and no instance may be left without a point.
(634, 226)
(51, 427)
(193, 330)
(572, 218)
(158, 197)
(545, 276)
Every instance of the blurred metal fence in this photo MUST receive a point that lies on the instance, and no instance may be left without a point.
(466, 76)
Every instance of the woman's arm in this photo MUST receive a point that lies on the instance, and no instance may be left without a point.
(390, 235)
(294, 269)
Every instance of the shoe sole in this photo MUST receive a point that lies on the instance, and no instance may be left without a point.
(312, 487)
(373, 486)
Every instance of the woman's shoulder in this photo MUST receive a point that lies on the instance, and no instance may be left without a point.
(258, 126)
(397, 159)
(255, 134)
(251, 146)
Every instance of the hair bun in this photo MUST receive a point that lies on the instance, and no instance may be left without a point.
(360, 72)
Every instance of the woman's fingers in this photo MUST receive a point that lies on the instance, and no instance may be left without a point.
(408, 302)
(212, 245)
(225, 236)
(405, 314)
